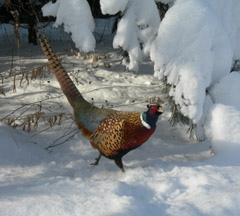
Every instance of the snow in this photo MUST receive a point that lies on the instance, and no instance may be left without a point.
(223, 120)
(226, 90)
(168, 175)
(199, 51)
(113, 7)
(77, 19)
(229, 17)
(223, 126)
(136, 29)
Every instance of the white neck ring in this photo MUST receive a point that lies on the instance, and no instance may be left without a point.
(145, 124)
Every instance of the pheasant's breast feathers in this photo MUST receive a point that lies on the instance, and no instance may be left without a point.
(120, 131)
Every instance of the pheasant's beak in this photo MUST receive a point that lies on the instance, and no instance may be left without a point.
(160, 110)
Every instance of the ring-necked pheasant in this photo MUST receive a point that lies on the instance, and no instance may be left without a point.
(113, 133)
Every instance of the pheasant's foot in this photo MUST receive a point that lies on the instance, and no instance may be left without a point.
(118, 162)
(97, 160)
(122, 169)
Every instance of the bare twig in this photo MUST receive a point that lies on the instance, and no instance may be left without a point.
(67, 139)
(28, 104)
(10, 44)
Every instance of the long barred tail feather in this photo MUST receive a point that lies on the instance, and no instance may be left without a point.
(86, 115)
(67, 86)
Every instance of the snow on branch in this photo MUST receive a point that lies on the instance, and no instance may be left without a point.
(77, 19)
(113, 6)
(192, 51)
(137, 28)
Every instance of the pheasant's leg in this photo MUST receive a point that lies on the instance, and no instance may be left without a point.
(97, 160)
(118, 162)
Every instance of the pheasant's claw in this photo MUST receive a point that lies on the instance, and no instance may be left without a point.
(118, 162)
(97, 160)
(122, 169)
(95, 163)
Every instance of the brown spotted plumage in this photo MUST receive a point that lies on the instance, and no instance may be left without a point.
(112, 133)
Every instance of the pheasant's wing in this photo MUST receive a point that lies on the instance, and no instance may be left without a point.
(109, 138)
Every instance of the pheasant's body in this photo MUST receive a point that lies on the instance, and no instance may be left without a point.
(119, 133)
(112, 133)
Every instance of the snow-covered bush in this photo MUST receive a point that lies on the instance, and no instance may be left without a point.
(191, 50)
(136, 29)
(195, 47)
(77, 19)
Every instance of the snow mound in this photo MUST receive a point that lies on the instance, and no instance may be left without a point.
(17, 148)
(77, 19)
(226, 91)
(223, 121)
(223, 126)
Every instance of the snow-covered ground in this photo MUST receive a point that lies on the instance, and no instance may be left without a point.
(169, 175)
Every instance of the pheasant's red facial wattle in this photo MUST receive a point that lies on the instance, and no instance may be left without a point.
(153, 109)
